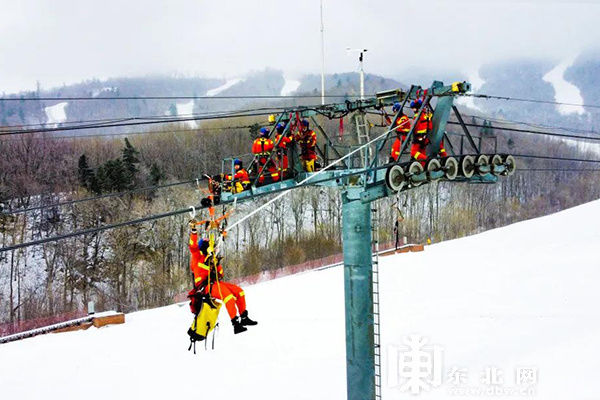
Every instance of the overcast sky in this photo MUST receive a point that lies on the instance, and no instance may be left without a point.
(65, 41)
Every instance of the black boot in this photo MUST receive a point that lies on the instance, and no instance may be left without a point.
(246, 321)
(237, 326)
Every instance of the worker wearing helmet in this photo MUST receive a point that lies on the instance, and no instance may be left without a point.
(262, 146)
(307, 140)
(282, 142)
(402, 129)
(208, 280)
(418, 150)
(240, 180)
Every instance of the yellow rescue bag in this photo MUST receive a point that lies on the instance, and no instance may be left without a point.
(204, 322)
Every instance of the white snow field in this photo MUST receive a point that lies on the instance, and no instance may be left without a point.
(289, 86)
(564, 91)
(187, 110)
(223, 87)
(56, 114)
(523, 296)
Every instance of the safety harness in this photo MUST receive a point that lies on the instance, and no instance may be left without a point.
(202, 304)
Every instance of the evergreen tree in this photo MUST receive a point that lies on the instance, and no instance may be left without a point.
(102, 179)
(117, 175)
(85, 173)
(156, 175)
(94, 185)
(130, 159)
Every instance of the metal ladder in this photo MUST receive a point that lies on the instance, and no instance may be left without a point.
(376, 325)
(363, 134)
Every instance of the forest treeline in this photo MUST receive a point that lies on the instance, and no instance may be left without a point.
(145, 265)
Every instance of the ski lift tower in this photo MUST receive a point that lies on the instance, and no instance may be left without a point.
(360, 185)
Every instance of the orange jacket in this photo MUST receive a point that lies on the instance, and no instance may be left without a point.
(424, 123)
(308, 142)
(197, 261)
(262, 146)
(240, 176)
(403, 125)
(284, 141)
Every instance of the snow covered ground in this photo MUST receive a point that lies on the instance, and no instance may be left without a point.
(56, 114)
(222, 88)
(565, 92)
(186, 110)
(520, 298)
(289, 86)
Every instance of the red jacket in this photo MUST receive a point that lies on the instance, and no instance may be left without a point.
(424, 123)
(284, 142)
(197, 261)
(240, 176)
(262, 147)
(308, 143)
(403, 125)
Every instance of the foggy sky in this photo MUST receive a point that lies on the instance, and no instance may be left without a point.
(65, 41)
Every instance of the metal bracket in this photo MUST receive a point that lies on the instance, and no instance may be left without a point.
(465, 130)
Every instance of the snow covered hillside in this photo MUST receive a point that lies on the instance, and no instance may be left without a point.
(56, 114)
(519, 298)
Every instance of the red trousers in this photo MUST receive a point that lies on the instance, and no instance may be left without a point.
(231, 295)
(418, 151)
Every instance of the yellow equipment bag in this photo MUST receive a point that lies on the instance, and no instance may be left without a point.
(204, 322)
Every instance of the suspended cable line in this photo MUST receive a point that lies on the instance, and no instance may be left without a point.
(104, 196)
(488, 97)
(134, 122)
(595, 138)
(233, 97)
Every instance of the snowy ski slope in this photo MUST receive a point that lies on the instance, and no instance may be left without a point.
(521, 296)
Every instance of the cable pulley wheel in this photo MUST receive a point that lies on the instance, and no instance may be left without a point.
(415, 169)
(496, 161)
(451, 168)
(482, 161)
(511, 165)
(433, 165)
(394, 178)
(467, 166)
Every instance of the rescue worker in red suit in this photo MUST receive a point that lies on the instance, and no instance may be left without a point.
(421, 140)
(241, 179)
(402, 129)
(307, 140)
(209, 280)
(282, 142)
(418, 150)
(262, 148)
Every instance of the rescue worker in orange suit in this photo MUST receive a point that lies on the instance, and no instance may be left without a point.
(418, 150)
(240, 180)
(282, 142)
(402, 129)
(307, 140)
(262, 148)
(209, 280)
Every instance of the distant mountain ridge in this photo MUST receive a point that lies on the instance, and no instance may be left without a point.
(522, 79)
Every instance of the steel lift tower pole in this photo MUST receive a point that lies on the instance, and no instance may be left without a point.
(358, 296)
(370, 182)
